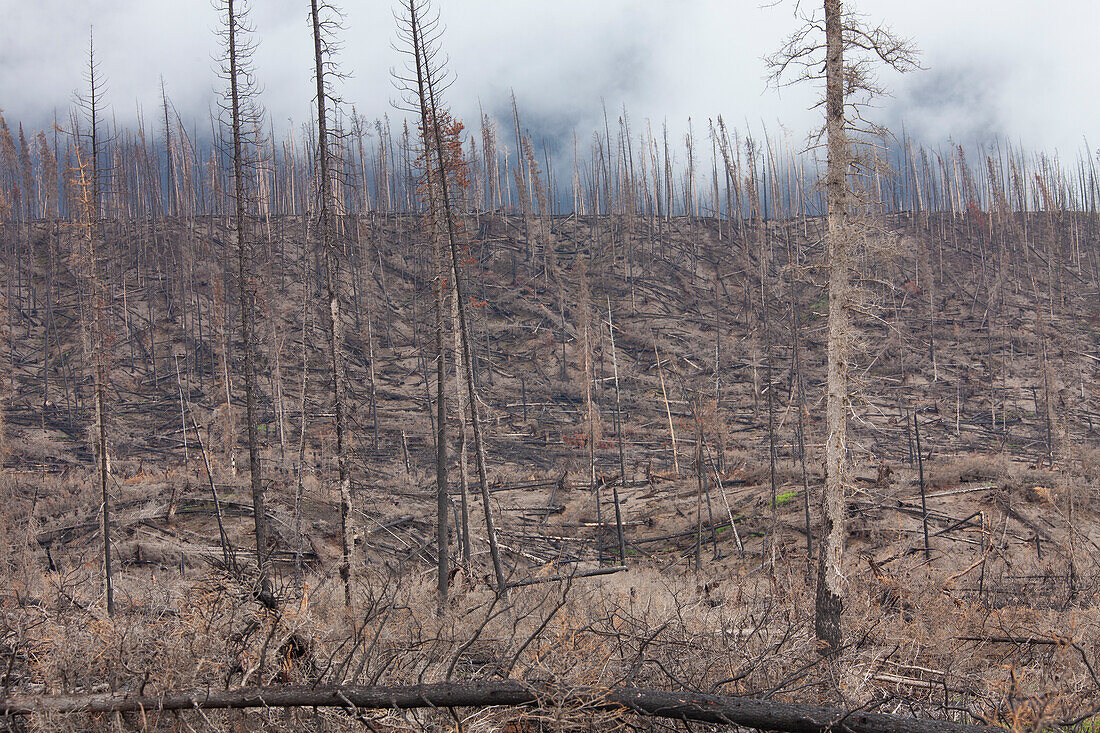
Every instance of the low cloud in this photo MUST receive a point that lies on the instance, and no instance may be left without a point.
(994, 68)
(960, 101)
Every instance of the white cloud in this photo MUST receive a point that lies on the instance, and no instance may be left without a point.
(1008, 68)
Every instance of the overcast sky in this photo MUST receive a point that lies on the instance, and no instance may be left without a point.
(993, 68)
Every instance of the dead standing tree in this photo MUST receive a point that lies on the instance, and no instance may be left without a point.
(324, 19)
(841, 49)
(458, 170)
(426, 80)
(429, 189)
(245, 118)
(88, 191)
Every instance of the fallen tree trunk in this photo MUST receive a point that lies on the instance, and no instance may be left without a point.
(748, 712)
(578, 574)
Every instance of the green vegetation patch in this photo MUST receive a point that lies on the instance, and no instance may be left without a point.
(787, 497)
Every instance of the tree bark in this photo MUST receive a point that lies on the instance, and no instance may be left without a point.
(716, 709)
(246, 302)
(830, 583)
(463, 450)
(335, 337)
(429, 119)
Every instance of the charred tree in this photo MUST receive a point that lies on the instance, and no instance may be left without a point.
(244, 117)
(844, 59)
(323, 20)
(424, 86)
(88, 190)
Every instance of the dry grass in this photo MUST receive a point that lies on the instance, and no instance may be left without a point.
(733, 630)
(953, 471)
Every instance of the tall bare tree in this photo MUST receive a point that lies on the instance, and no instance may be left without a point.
(426, 81)
(411, 25)
(88, 188)
(324, 18)
(170, 182)
(245, 115)
(851, 49)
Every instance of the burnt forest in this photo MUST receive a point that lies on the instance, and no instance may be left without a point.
(419, 423)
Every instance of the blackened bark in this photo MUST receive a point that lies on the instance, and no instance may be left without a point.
(246, 301)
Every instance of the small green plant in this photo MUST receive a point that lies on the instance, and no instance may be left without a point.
(787, 497)
(818, 308)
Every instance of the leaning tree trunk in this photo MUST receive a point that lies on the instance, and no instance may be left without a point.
(463, 446)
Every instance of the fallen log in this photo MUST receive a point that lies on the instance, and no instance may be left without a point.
(717, 709)
(569, 576)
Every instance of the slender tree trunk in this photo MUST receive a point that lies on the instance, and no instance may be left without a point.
(101, 452)
(463, 462)
(668, 410)
(90, 220)
(591, 413)
(442, 502)
(247, 306)
(619, 440)
(830, 583)
(326, 211)
(428, 120)
(428, 102)
(800, 384)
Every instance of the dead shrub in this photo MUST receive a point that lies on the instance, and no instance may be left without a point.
(965, 469)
